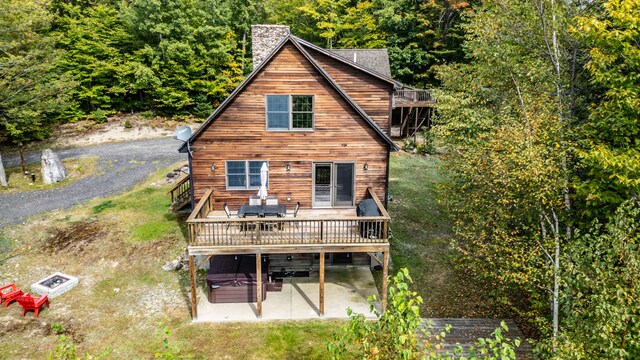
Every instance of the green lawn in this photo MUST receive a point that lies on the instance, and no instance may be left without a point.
(422, 236)
(117, 246)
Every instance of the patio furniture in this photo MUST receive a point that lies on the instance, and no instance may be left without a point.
(295, 214)
(226, 210)
(233, 279)
(29, 302)
(262, 210)
(368, 230)
(271, 200)
(255, 200)
(8, 293)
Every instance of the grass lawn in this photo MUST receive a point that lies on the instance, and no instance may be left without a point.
(422, 236)
(117, 245)
(76, 170)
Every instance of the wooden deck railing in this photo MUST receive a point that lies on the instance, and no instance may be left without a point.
(222, 231)
(181, 190)
(412, 96)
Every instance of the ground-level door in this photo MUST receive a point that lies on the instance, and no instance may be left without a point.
(333, 184)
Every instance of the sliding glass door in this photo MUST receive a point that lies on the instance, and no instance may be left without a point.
(333, 184)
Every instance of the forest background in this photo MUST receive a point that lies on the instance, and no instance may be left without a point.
(538, 114)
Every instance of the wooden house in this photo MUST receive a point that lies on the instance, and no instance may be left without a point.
(320, 120)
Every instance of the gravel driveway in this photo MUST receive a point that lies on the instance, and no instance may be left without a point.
(121, 165)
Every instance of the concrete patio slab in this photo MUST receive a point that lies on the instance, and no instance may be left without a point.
(345, 287)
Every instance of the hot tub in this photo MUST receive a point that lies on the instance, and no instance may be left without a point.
(232, 279)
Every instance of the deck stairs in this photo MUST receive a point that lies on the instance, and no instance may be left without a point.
(180, 194)
(465, 331)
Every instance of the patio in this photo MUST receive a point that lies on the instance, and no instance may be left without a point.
(344, 287)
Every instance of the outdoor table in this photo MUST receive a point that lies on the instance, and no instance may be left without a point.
(262, 210)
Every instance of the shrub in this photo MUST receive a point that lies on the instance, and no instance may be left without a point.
(99, 116)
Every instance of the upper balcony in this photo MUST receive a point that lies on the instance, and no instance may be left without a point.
(311, 230)
(412, 98)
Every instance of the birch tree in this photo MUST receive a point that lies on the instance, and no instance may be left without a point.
(508, 118)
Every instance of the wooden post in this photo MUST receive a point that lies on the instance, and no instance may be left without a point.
(194, 298)
(322, 284)
(259, 284)
(385, 275)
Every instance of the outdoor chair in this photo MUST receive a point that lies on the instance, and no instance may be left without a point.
(8, 293)
(29, 302)
(295, 214)
(226, 210)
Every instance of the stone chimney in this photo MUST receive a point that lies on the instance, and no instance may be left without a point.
(264, 38)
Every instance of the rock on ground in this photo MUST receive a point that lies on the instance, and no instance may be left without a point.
(52, 168)
(3, 176)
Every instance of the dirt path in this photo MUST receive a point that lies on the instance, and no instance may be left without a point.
(121, 166)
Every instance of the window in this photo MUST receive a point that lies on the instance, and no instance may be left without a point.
(244, 175)
(289, 112)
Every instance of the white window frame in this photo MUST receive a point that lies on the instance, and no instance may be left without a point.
(290, 111)
(246, 174)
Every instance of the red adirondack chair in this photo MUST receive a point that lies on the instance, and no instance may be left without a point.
(8, 293)
(29, 302)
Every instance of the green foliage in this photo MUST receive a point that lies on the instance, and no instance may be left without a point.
(66, 347)
(107, 204)
(169, 351)
(393, 336)
(509, 130)
(611, 155)
(64, 350)
(99, 116)
(602, 314)
(32, 91)
(128, 124)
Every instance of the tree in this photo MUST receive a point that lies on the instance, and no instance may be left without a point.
(97, 55)
(397, 334)
(32, 92)
(611, 156)
(508, 117)
(602, 313)
(190, 48)
(420, 35)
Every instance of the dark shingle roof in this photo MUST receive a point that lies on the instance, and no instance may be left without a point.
(374, 59)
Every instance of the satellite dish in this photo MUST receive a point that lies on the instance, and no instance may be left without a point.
(183, 133)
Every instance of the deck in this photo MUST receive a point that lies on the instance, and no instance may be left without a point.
(465, 332)
(312, 230)
(412, 98)
(212, 232)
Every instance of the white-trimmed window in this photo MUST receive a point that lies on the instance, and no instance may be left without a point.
(244, 175)
(289, 112)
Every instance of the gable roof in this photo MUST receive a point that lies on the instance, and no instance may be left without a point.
(293, 40)
(361, 66)
(374, 59)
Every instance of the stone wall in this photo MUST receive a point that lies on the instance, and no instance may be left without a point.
(264, 38)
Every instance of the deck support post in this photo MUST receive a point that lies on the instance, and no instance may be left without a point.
(259, 282)
(322, 283)
(385, 275)
(194, 298)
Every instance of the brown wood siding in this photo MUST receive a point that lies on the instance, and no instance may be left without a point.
(373, 95)
(239, 133)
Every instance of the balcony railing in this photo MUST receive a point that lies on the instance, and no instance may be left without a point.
(302, 230)
(412, 96)
(180, 193)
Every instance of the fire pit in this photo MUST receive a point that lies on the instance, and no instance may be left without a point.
(54, 285)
